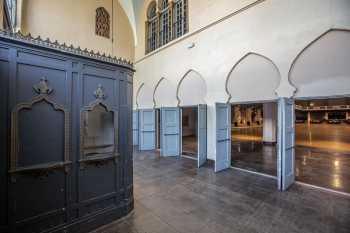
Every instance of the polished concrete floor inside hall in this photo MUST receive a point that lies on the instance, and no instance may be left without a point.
(173, 196)
(250, 153)
(322, 154)
(190, 146)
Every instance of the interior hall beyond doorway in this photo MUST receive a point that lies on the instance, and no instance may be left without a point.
(254, 137)
(323, 143)
(189, 132)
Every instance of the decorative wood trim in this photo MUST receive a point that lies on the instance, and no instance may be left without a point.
(97, 160)
(64, 48)
(44, 90)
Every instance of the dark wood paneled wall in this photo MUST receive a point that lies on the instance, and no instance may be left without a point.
(72, 196)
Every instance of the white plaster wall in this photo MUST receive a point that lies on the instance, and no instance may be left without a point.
(145, 97)
(256, 74)
(201, 13)
(323, 68)
(165, 94)
(276, 29)
(192, 89)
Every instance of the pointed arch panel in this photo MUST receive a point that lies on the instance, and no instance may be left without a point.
(145, 97)
(192, 89)
(165, 94)
(253, 77)
(322, 68)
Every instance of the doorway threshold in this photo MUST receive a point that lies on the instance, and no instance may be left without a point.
(323, 189)
(253, 172)
(188, 157)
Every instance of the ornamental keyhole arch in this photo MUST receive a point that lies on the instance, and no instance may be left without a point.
(321, 68)
(144, 97)
(254, 77)
(164, 94)
(192, 89)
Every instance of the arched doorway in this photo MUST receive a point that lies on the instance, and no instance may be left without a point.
(164, 96)
(250, 132)
(191, 93)
(321, 75)
(146, 118)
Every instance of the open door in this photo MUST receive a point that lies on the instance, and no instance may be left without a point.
(170, 133)
(223, 136)
(135, 127)
(147, 134)
(286, 142)
(202, 134)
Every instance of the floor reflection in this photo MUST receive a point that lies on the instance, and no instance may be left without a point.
(189, 146)
(250, 153)
(322, 154)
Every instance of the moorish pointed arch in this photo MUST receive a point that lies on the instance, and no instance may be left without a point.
(144, 96)
(164, 94)
(322, 68)
(192, 89)
(253, 77)
(137, 94)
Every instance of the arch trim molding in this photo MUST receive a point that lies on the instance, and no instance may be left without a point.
(181, 80)
(238, 62)
(307, 47)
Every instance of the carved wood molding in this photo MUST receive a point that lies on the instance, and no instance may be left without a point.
(69, 49)
(100, 159)
(43, 87)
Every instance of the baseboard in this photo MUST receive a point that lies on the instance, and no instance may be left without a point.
(91, 222)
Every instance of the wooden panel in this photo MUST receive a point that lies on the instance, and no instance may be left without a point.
(45, 193)
(91, 83)
(44, 142)
(4, 68)
(29, 75)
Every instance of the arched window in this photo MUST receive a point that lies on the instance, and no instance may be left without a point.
(180, 18)
(170, 22)
(165, 23)
(152, 26)
(102, 27)
(10, 13)
(163, 4)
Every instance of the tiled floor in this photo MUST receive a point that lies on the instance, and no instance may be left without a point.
(173, 196)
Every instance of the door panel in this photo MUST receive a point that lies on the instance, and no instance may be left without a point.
(223, 137)
(135, 127)
(202, 134)
(286, 160)
(147, 129)
(170, 133)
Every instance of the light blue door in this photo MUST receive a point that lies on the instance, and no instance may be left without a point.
(286, 142)
(147, 135)
(135, 127)
(170, 131)
(223, 136)
(202, 134)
